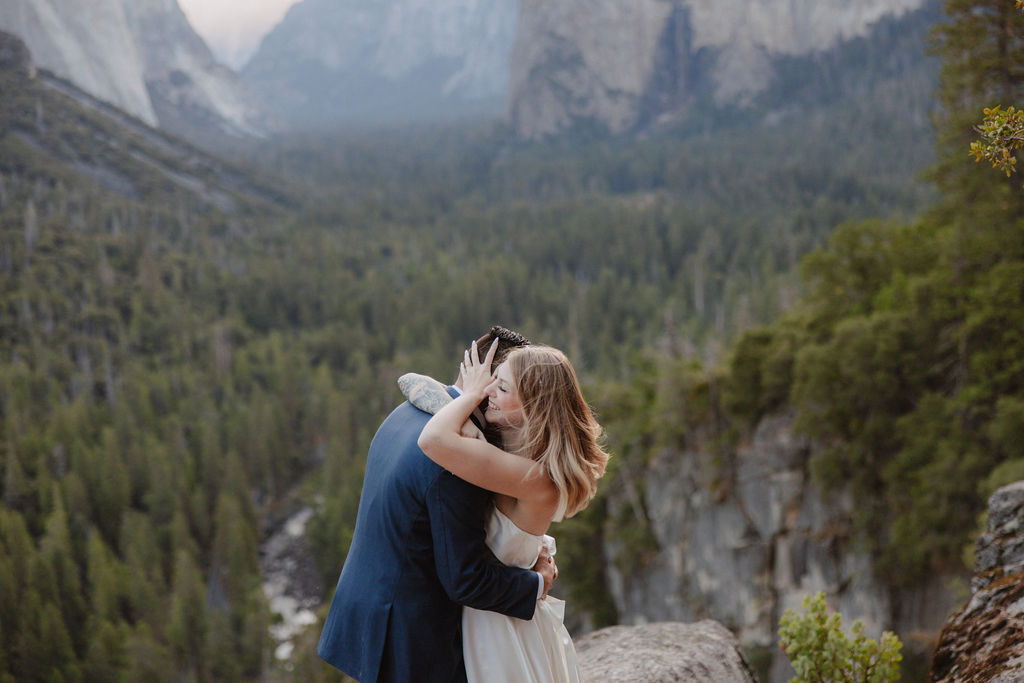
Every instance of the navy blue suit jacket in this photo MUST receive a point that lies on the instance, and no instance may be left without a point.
(417, 555)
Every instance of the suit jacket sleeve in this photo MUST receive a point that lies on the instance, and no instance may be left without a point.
(467, 569)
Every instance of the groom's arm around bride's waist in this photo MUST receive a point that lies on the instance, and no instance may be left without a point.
(464, 564)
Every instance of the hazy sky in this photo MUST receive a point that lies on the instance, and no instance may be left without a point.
(233, 28)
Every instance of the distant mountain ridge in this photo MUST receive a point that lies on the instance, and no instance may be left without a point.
(550, 66)
(622, 65)
(370, 61)
(143, 57)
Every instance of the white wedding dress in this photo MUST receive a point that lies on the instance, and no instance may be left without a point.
(501, 649)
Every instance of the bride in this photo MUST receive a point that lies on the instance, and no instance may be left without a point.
(547, 469)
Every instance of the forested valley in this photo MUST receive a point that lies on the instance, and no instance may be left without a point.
(178, 372)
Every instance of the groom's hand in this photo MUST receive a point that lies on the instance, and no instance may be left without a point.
(471, 431)
(547, 569)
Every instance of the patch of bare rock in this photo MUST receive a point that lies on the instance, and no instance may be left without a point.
(662, 652)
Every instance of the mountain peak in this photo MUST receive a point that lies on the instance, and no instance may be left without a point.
(143, 57)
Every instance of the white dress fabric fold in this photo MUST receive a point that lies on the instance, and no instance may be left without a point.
(500, 649)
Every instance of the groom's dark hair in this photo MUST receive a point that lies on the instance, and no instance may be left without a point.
(507, 340)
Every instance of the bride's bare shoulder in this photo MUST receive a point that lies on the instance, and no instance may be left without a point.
(533, 515)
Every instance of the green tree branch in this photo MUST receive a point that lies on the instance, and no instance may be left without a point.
(1002, 134)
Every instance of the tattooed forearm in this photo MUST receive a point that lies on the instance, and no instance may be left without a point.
(426, 393)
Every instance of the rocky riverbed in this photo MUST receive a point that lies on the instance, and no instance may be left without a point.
(290, 581)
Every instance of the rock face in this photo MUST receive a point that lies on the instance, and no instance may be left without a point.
(92, 46)
(61, 125)
(983, 642)
(143, 57)
(191, 93)
(653, 653)
(622, 64)
(743, 543)
(386, 60)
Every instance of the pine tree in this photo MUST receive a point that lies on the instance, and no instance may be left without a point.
(108, 582)
(234, 549)
(187, 628)
(145, 564)
(147, 658)
(982, 51)
(105, 655)
(63, 589)
(17, 554)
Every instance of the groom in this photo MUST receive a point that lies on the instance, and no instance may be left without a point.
(416, 557)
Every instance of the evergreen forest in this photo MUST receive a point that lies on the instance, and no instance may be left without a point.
(191, 348)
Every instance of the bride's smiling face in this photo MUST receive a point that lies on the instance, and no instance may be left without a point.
(503, 407)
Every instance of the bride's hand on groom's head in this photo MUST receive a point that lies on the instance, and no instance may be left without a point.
(476, 374)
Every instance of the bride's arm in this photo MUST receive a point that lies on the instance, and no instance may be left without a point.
(474, 460)
(477, 461)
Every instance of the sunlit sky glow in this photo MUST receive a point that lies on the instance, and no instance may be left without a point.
(234, 28)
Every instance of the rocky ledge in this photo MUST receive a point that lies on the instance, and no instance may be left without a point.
(983, 642)
(669, 651)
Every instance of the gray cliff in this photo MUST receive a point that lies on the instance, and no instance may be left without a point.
(386, 60)
(143, 57)
(92, 47)
(742, 543)
(621, 64)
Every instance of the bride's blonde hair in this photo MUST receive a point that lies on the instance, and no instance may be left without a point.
(559, 429)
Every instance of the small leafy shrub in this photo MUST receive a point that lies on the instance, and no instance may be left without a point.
(821, 652)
